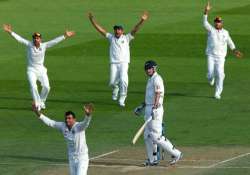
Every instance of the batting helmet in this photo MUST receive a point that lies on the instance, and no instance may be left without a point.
(150, 64)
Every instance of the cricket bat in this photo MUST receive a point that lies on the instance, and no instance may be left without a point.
(140, 131)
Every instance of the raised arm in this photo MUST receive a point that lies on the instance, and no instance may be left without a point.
(206, 24)
(59, 39)
(144, 17)
(100, 29)
(88, 110)
(46, 120)
(7, 28)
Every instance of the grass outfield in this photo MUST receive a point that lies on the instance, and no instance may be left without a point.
(79, 71)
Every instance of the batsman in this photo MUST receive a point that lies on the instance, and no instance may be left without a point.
(217, 42)
(154, 116)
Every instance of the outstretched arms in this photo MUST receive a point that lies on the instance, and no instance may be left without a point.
(144, 17)
(88, 110)
(46, 120)
(55, 41)
(8, 28)
(205, 21)
(100, 29)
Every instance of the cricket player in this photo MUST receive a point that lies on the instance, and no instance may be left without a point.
(36, 70)
(154, 112)
(74, 134)
(217, 42)
(119, 52)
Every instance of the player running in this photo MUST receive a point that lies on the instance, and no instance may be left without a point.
(36, 69)
(119, 56)
(74, 134)
(218, 39)
(154, 113)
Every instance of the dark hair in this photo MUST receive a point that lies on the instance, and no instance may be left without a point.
(118, 27)
(70, 113)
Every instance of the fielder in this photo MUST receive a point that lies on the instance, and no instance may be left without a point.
(119, 56)
(154, 113)
(74, 134)
(218, 39)
(36, 69)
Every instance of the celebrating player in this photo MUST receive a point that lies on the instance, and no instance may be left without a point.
(218, 39)
(36, 69)
(154, 114)
(74, 134)
(119, 56)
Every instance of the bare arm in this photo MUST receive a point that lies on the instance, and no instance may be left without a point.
(206, 24)
(7, 28)
(57, 40)
(144, 17)
(100, 29)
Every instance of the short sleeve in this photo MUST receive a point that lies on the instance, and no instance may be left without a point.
(129, 37)
(109, 36)
(158, 85)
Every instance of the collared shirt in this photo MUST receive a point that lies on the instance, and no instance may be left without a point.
(217, 40)
(154, 84)
(75, 137)
(36, 55)
(119, 51)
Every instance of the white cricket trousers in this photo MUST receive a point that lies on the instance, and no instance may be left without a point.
(119, 77)
(153, 134)
(215, 66)
(78, 165)
(34, 75)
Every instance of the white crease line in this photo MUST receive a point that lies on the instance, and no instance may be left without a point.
(103, 155)
(228, 160)
(142, 160)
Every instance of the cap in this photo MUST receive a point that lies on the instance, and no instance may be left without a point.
(218, 19)
(150, 64)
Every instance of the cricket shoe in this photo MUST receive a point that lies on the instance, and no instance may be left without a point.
(175, 159)
(122, 100)
(217, 96)
(211, 83)
(148, 163)
(115, 93)
(42, 105)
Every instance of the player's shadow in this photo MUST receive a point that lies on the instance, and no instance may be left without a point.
(44, 159)
(187, 95)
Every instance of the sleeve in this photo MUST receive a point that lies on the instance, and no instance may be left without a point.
(129, 37)
(51, 123)
(84, 124)
(206, 24)
(230, 43)
(158, 85)
(54, 41)
(20, 39)
(109, 36)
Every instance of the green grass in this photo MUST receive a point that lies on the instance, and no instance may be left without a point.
(79, 71)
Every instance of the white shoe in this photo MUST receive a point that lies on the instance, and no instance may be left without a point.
(217, 96)
(176, 159)
(42, 105)
(122, 100)
(211, 82)
(115, 93)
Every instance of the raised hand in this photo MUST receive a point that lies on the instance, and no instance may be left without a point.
(88, 109)
(69, 34)
(7, 28)
(90, 15)
(207, 8)
(145, 15)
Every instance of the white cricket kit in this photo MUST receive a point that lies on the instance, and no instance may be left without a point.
(216, 51)
(36, 70)
(153, 131)
(76, 143)
(119, 59)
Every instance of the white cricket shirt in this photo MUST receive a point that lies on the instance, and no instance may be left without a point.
(154, 84)
(217, 40)
(35, 55)
(75, 137)
(119, 51)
